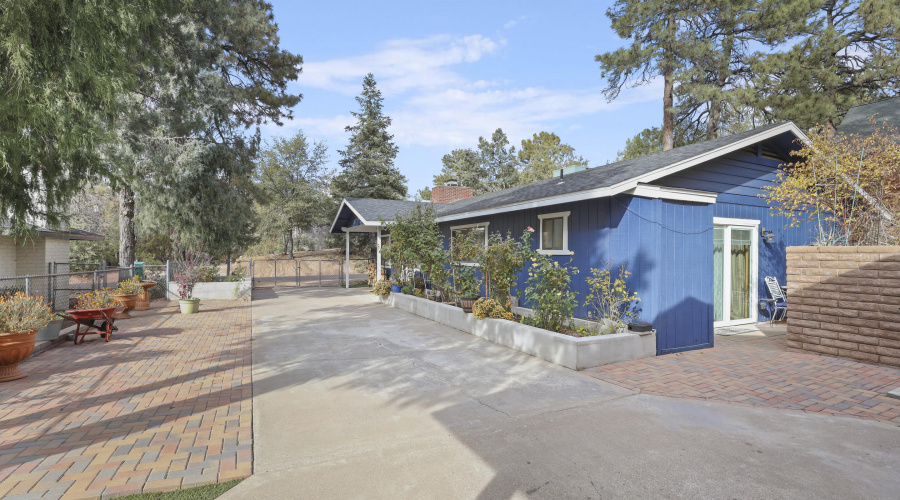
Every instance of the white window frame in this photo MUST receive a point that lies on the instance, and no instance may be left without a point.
(727, 224)
(555, 215)
(486, 226)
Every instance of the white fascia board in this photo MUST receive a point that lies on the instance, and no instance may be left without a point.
(632, 183)
(670, 193)
(338, 214)
(727, 221)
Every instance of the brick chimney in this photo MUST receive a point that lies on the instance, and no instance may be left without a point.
(450, 192)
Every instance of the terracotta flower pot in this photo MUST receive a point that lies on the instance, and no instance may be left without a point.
(128, 301)
(14, 348)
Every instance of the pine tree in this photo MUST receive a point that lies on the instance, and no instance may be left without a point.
(848, 54)
(658, 46)
(463, 166)
(367, 162)
(650, 140)
(544, 154)
(499, 162)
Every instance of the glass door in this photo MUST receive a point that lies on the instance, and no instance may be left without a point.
(734, 274)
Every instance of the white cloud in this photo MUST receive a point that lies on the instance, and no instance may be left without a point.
(433, 105)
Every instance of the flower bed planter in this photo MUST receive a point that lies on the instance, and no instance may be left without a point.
(576, 353)
(217, 290)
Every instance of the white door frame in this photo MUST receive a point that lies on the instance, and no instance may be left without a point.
(753, 225)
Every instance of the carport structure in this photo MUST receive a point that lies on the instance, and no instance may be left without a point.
(365, 215)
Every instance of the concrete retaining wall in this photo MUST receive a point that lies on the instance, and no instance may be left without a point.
(218, 290)
(576, 353)
(845, 301)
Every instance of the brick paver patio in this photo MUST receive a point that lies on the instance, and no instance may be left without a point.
(165, 405)
(762, 371)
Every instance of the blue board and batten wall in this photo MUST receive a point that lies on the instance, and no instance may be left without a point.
(666, 245)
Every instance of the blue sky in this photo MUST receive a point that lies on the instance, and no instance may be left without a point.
(453, 71)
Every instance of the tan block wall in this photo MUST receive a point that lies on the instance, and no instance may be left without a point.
(7, 256)
(30, 257)
(56, 250)
(845, 301)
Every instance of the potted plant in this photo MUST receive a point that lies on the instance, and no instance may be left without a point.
(396, 286)
(468, 287)
(190, 268)
(20, 317)
(127, 293)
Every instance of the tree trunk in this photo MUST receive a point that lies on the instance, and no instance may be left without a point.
(126, 226)
(668, 87)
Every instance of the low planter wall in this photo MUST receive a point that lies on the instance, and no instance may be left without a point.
(576, 353)
(845, 301)
(217, 290)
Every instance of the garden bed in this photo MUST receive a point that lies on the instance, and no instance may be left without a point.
(576, 353)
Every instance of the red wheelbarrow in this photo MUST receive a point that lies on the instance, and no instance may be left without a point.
(91, 321)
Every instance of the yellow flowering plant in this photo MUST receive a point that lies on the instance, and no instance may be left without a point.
(490, 308)
(98, 299)
(130, 287)
(20, 313)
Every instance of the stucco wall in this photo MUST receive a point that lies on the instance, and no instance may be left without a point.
(845, 301)
(30, 257)
(7, 256)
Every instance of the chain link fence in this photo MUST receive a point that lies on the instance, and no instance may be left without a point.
(61, 290)
(270, 273)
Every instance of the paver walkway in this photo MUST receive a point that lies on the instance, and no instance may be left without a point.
(166, 404)
(762, 371)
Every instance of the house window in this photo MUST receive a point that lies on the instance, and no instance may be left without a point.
(554, 233)
(480, 229)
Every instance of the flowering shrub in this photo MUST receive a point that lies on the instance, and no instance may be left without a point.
(130, 287)
(490, 308)
(98, 299)
(609, 299)
(382, 288)
(463, 251)
(20, 313)
(548, 293)
(190, 270)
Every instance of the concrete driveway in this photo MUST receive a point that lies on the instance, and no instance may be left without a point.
(352, 399)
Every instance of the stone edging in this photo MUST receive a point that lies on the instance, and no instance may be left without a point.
(576, 353)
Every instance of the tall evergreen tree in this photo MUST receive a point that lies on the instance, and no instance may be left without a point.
(65, 66)
(499, 162)
(464, 166)
(714, 86)
(184, 147)
(544, 154)
(849, 53)
(650, 140)
(658, 47)
(367, 162)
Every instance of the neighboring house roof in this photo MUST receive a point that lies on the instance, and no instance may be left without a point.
(605, 180)
(69, 234)
(857, 119)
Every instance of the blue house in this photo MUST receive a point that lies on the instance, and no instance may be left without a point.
(691, 224)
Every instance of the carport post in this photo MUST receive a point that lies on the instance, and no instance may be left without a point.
(378, 255)
(347, 264)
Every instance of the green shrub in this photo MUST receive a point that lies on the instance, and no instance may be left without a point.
(207, 274)
(490, 308)
(548, 293)
(501, 261)
(609, 300)
(407, 289)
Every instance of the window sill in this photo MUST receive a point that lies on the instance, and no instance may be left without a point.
(555, 252)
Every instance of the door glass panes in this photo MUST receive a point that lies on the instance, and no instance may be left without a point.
(741, 241)
(718, 273)
(552, 234)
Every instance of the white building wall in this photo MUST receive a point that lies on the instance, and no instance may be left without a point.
(7, 256)
(57, 250)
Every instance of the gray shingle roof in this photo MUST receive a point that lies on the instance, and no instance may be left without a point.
(597, 177)
(857, 119)
(382, 210)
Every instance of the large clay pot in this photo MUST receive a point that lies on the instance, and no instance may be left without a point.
(143, 299)
(14, 348)
(128, 301)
